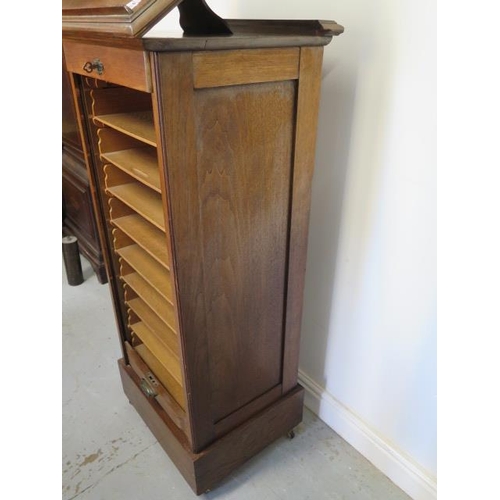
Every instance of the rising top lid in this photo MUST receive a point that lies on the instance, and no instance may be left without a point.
(124, 18)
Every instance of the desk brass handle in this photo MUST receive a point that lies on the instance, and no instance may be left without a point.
(96, 64)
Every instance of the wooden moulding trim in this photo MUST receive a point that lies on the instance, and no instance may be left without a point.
(218, 69)
(229, 452)
(103, 39)
(206, 469)
(282, 27)
(226, 424)
(253, 34)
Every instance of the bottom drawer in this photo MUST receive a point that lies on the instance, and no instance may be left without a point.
(205, 469)
(152, 387)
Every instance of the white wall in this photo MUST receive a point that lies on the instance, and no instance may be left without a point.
(368, 354)
(370, 310)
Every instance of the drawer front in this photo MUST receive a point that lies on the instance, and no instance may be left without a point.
(126, 67)
(150, 382)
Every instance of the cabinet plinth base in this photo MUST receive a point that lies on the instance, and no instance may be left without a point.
(204, 470)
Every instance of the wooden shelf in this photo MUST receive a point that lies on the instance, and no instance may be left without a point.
(164, 355)
(153, 299)
(139, 163)
(152, 272)
(144, 201)
(138, 124)
(154, 323)
(163, 375)
(146, 236)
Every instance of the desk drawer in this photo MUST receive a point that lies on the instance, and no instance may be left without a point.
(151, 382)
(126, 67)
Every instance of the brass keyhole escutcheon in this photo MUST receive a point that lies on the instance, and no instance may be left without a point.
(147, 389)
(96, 65)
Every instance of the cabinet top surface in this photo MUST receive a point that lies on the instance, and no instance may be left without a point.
(246, 34)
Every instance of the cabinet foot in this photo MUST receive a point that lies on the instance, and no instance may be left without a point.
(291, 434)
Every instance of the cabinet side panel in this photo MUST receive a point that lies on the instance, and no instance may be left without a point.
(244, 154)
(303, 166)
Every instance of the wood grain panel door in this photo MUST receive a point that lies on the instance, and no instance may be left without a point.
(244, 151)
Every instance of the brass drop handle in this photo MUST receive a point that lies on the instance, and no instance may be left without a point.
(147, 389)
(96, 64)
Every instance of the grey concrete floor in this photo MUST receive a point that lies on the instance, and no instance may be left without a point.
(109, 453)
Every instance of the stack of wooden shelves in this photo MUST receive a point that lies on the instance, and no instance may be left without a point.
(127, 144)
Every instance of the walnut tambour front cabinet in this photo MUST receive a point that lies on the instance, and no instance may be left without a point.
(200, 150)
